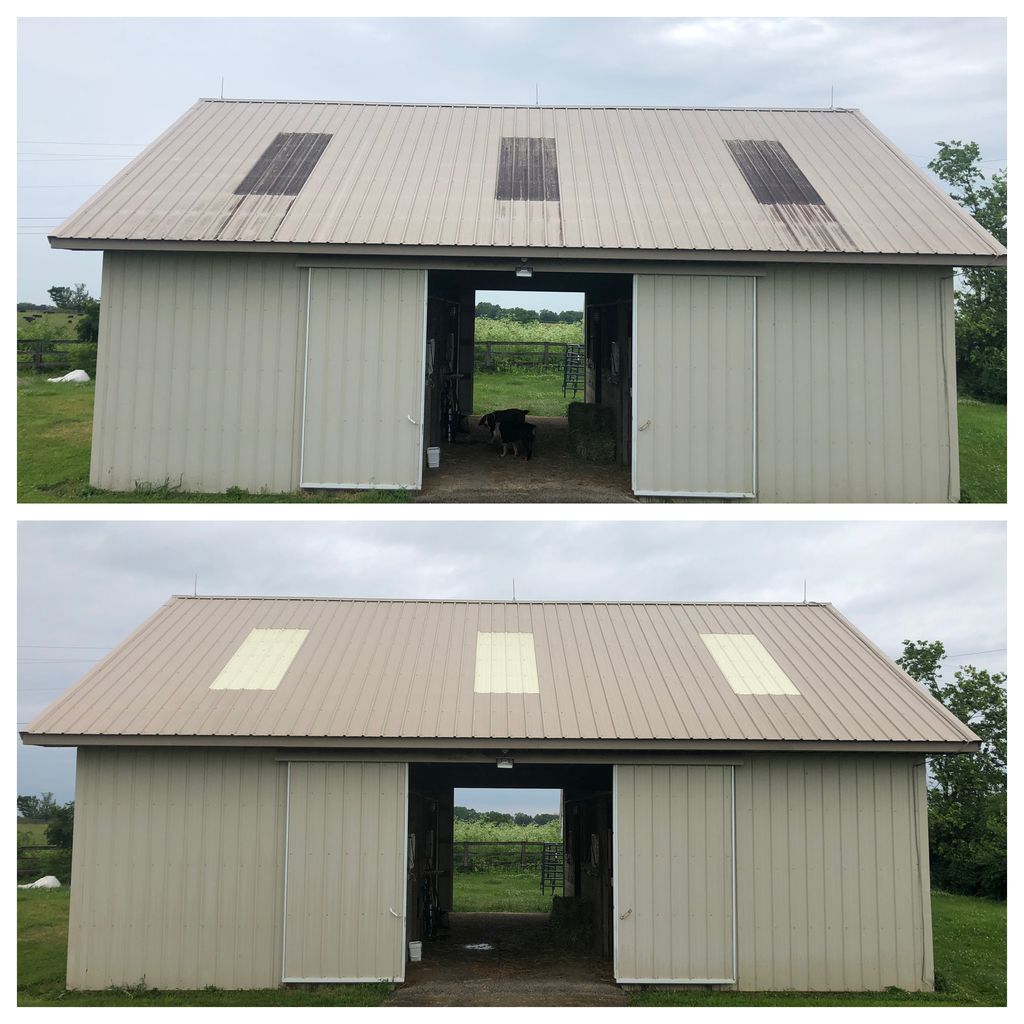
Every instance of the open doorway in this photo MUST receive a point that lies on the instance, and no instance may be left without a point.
(528, 352)
(508, 850)
(488, 907)
(571, 370)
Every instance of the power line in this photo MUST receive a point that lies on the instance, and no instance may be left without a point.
(61, 186)
(68, 647)
(29, 142)
(968, 654)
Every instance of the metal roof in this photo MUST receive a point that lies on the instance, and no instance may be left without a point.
(403, 672)
(675, 182)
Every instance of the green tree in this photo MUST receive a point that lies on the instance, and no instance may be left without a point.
(37, 808)
(28, 807)
(981, 298)
(967, 792)
(70, 299)
(88, 326)
(60, 831)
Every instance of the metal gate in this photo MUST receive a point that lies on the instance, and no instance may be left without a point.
(694, 397)
(345, 871)
(362, 408)
(674, 874)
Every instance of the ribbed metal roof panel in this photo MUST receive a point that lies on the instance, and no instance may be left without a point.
(405, 670)
(652, 179)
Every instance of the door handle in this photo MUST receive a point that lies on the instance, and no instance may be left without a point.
(643, 426)
(393, 913)
(415, 423)
(622, 917)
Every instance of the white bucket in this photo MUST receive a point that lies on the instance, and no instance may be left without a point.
(433, 458)
(416, 948)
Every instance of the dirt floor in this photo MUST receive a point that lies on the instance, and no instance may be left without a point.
(505, 960)
(471, 470)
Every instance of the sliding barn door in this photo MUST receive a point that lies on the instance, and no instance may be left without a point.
(674, 873)
(693, 386)
(345, 872)
(363, 392)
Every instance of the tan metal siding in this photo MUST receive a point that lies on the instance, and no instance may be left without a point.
(693, 385)
(199, 372)
(832, 879)
(856, 385)
(673, 873)
(631, 178)
(178, 869)
(363, 412)
(345, 917)
(376, 669)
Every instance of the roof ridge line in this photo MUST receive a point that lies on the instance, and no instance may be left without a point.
(473, 600)
(523, 106)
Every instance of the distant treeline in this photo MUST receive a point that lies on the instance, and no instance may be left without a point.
(499, 818)
(490, 311)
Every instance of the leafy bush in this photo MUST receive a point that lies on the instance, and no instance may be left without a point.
(82, 356)
(491, 832)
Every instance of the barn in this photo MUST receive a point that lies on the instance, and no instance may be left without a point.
(263, 784)
(288, 294)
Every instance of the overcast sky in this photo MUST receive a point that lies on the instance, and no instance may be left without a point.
(83, 587)
(92, 92)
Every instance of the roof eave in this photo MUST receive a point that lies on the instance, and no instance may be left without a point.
(404, 746)
(534, 252)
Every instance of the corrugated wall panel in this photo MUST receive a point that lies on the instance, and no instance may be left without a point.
(199, 377)
(856, 385)
(345, 918)
(694, 385)
(178, 869)
(364, 379)
(832, 880)
(673, 873)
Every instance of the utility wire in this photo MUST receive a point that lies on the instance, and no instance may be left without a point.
(30, 142)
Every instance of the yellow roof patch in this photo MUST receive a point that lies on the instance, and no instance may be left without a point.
(261, 660)
(505, 663)
(747, 665)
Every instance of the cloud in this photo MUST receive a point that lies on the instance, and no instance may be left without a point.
(918, 79)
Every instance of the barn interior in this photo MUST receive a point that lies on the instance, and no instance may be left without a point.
(450, 361)
(581, 918)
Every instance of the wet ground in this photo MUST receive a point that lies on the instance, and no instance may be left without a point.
(506, 960)
(472, 471)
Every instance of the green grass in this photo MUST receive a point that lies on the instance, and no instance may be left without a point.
(970, 959)
(55, 434)
(970, 967)
(42, 950)
(31, 835)
(48, 326)
(541, 393)
(499, 892)
(982, 451)
(54, 443)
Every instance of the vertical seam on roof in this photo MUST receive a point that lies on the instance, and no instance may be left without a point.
(101, 195)
(211, 211)
(926, 701)
(897, 220)
(917, 174)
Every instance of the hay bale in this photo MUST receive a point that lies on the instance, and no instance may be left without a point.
(592, 431)
(572, 920)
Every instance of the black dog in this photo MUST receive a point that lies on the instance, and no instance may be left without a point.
(512, 435)
(492, 419)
